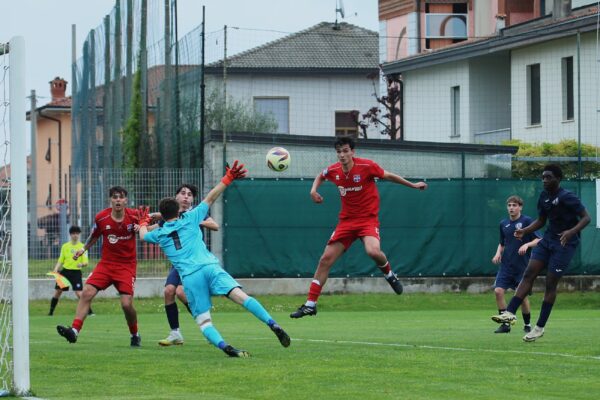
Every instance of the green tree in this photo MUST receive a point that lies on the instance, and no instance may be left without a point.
(132, 131)
(565, 148)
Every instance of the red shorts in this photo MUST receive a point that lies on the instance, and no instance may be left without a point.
(346, 232)
(122, 276)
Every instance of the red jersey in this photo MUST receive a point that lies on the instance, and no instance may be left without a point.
(118, 238)
(360, 198)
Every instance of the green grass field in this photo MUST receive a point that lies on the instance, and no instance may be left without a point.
(358, 347)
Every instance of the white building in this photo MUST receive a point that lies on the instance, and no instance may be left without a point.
(523, 83)
(309, 81)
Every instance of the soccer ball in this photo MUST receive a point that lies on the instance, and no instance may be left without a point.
(278, 159)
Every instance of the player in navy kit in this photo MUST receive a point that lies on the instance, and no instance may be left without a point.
(513, 255)
(202, 275)
(567, 217)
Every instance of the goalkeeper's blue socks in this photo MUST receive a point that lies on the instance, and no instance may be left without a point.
(252, 305)
(213, 336)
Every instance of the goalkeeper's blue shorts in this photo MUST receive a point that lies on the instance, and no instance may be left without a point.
(210, 280)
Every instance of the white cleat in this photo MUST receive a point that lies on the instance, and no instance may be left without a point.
(174, 339)
(535, 333)
(505, 318)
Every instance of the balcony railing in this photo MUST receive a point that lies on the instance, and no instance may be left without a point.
(446, 26)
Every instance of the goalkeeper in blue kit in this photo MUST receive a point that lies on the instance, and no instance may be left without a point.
(202, 275)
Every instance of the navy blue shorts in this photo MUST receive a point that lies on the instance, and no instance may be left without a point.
(555, 256)
(173, 278)
(508, 278)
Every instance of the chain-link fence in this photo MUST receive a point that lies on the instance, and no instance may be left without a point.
(144, 186)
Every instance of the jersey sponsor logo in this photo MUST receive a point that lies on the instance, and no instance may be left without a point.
(112, 239)
(337, 177)
(507, 226)
(356, 178)
(344, 191)
(547, 200)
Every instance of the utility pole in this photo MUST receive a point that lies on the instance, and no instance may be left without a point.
(33, 225)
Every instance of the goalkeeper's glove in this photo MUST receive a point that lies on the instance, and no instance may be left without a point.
(235, 172)
(144, 215)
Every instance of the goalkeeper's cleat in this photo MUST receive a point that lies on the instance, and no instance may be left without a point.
(527, 328)
(174, 339)
(67, 332)
(395, 283)
(136, 340)
(536, 333)
(303, 311)
(283, 337)
(233, 352)
(504, 328)
(505, 318)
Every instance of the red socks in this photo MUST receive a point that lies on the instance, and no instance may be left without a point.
(133, 329)
(77, 324)
(386, 269)
(314, 291)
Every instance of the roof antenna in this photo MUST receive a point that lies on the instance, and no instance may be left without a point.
(339, 8)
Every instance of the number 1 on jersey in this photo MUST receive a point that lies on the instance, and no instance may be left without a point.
(173, 235)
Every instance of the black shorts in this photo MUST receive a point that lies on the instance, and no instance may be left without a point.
(74, 276)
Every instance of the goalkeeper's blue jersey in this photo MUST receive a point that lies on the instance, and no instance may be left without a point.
(182, 243)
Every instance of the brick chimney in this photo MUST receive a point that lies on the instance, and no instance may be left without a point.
(58, 88)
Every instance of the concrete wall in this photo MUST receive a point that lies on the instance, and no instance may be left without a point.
(42, 289)
(553, 128)
(427, 105)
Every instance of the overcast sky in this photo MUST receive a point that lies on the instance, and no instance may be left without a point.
(46, 25)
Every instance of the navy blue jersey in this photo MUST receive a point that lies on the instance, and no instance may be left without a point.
(562, 211)
(510, 256)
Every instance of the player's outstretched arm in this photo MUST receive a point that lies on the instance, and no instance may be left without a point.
(314, 195)
(236, 171)
(398, 179)
(210, 223)
(91, 240)
(534, 226)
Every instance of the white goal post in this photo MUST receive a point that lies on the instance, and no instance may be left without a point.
(16, 231)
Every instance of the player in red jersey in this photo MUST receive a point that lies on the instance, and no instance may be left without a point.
(117, 266)
(358, 219)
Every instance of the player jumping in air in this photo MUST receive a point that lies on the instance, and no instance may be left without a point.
(184, 195)
(567, 218)
(202, 275)
(117, 266)
(359, 217)
(513, 255)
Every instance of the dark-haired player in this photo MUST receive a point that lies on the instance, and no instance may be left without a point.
(358, 219)
(567, 217)
(117, 266)
(513, 255)
(185, 195)
(69, 268)
(202, 275)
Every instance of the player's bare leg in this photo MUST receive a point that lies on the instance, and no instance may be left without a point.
(237, 295)
(131, 317)
(83, 306)
(332, 252)
(373, 250)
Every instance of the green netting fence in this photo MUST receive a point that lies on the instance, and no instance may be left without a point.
(273, 228)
